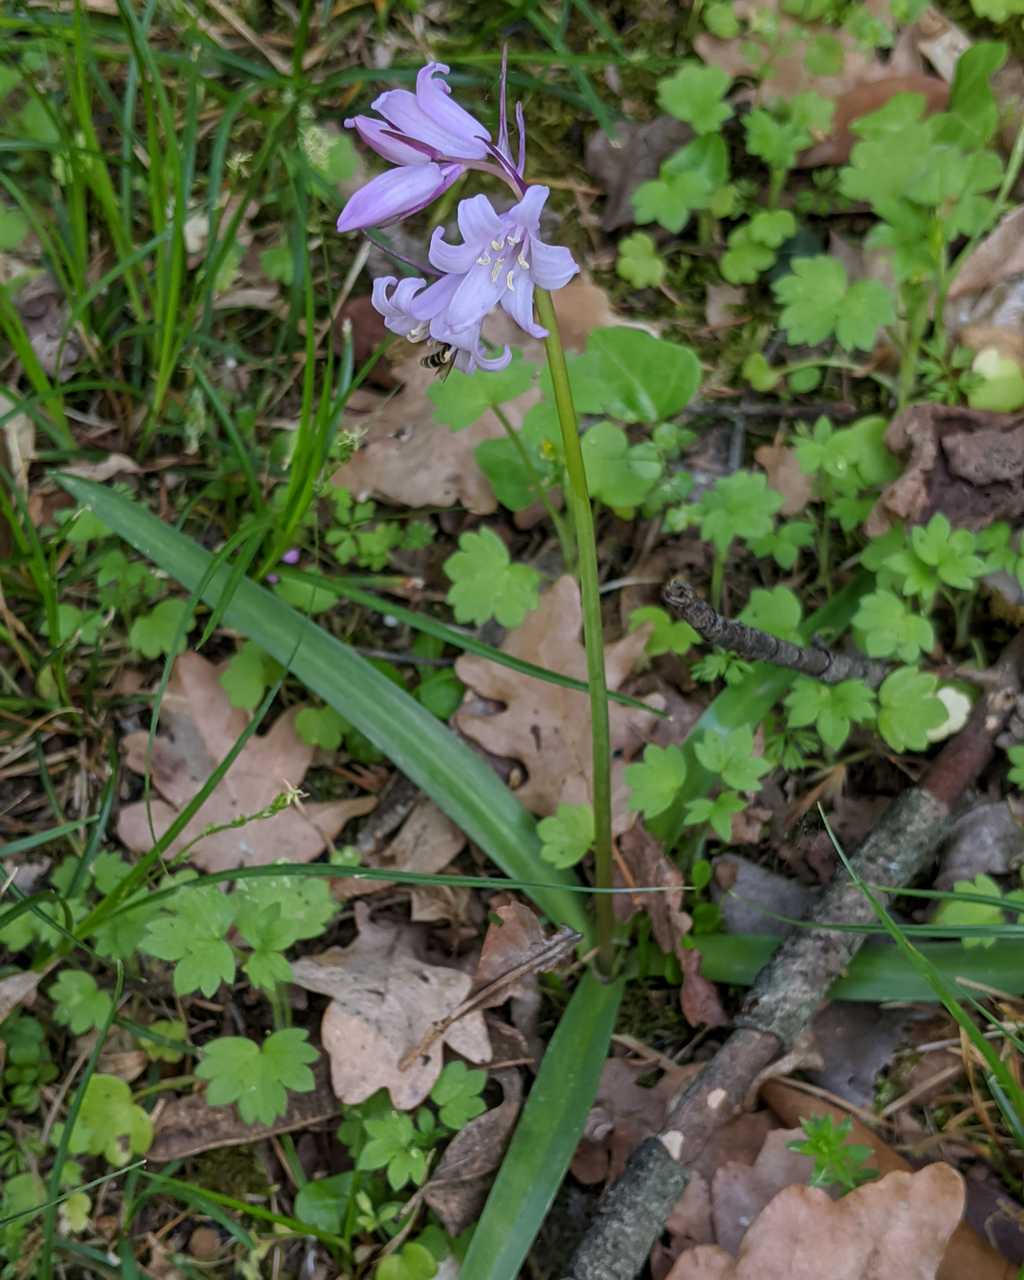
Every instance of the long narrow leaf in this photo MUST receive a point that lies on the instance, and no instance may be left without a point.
(547, 1133)
(427, 752)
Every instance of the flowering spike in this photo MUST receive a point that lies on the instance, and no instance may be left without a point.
(432, 140)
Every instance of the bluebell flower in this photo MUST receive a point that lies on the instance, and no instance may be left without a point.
(501, 259)
(431, 140)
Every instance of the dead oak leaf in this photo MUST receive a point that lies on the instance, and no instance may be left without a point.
(199, 728)
(897, 1226)
(384, 1002)
(547, 727)
(426, 843)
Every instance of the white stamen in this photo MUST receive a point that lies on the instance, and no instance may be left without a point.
(521, 259)
(509, 280)
(484, 260)
(497, 245)
(496, 270)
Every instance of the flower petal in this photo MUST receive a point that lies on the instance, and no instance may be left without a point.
(527, 212)
(456, 258)
(551, 265)
(395, 194)
(435, 298)
(479, 223)
(477, 294)
(406, 112)
(380, 136)
(518, 303)
(395, 308)
(434, 97)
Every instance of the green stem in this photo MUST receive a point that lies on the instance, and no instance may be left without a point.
(718, 577)
(563, 531)
(582, 518)
(916, 325)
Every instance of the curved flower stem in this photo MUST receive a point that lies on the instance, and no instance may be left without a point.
(582, 517)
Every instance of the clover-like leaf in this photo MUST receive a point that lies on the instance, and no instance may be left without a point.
(258, 1077)
(639, 261)
(567, 835)
(486, 584)
(656, 782)
(908, 708)
(695, 94)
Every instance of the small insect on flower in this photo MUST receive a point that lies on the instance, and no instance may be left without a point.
(441, 360)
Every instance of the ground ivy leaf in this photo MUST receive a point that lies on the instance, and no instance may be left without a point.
(955, 912)
(461, 398)
(619, 474)
(639, 261)
(566, 837)
(908, 707)
(486, 584)
(635, 377)
(153, 633)
(889, 629)
(655, 783)
(668, 635)
(694, 94)
(731, 756)
(776, 611)
(718, 813)
(257, 1077)
(80, 1004)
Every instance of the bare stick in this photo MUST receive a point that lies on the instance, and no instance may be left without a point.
(758, 646)
(789, 991)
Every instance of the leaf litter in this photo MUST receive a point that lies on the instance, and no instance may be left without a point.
(199, 727)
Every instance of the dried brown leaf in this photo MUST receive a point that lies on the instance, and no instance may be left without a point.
(199, 728)
(426, 843)
(786, 476)
(861, 100)
(632, 154)
(788, 73)
(966, 463)
(897, 1226)
(457, 1191)
(188, 1126)
(967, 1253)
(643, 859)
(44, 313)
(547, 727)
(384, 1002)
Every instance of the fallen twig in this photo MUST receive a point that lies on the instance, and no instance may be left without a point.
(788, 992)
(758, 646)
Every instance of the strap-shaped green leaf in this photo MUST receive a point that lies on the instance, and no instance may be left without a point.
(425, 750)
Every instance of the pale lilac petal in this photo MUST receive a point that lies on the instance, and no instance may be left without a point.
(491, 363)
(435, 298)
(457, 258)
(518, 303)
(380, 136)
(402, 109)
(477, 293)
(551, 265)
(434, 98)
(527, 212)
(395, 308)
(393, 195)
(479, 223)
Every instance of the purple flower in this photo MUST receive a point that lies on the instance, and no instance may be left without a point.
(501, 259)
(432, 140)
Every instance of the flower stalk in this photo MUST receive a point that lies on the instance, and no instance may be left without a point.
(582, 517)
